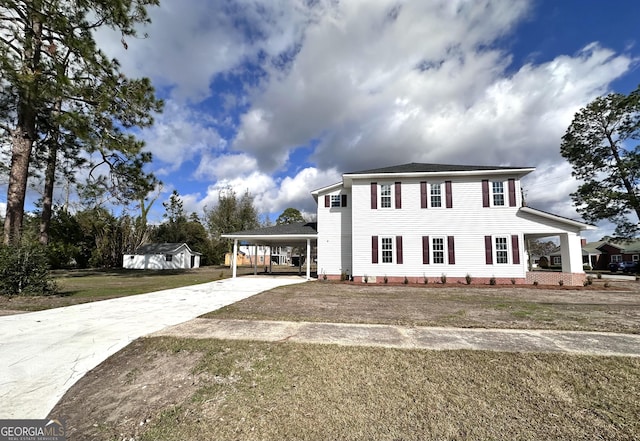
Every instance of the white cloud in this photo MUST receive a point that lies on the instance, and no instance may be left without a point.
(367, 83)
(180, 134)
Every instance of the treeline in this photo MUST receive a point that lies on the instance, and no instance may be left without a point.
(96, 238)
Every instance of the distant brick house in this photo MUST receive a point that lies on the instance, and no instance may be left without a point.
(598, 255)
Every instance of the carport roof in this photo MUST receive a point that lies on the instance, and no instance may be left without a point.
(286, 233)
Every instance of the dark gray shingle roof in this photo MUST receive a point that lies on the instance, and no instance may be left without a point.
(159, 248)
(416, 167)
(295, 228)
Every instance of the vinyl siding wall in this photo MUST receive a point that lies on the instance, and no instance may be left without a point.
(334, 235)
(468, 222)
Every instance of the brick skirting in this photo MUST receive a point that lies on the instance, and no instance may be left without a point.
(542, 277)
(554, 278)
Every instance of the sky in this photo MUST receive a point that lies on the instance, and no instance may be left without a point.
(280, 97)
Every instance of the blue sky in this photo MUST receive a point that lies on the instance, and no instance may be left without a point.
(279, 97)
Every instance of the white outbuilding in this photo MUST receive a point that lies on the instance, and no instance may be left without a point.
(162, 256)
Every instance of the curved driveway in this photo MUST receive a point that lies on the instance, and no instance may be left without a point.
(42, 354)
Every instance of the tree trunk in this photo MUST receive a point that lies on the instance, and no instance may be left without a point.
(24, 134)
(47, 198)
(22, 142)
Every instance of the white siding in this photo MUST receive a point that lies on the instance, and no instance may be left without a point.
(468, 222)
(334, 235)
(180, 260)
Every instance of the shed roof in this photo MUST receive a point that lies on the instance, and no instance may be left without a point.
(162, 248)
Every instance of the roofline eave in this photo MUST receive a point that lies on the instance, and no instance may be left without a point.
(574, 223)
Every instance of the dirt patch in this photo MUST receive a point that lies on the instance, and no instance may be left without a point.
(117, 399)
(612, 309)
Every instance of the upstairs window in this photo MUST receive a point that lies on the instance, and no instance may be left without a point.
(436, 195)
(335, 200)
(385, 195)
(498, 193)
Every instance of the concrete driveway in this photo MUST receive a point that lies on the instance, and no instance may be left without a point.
(42, 354)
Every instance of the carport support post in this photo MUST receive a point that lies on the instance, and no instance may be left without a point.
(234, 258)
(255, 259)
(308, 259)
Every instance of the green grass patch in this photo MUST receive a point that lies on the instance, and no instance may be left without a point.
(81, 286)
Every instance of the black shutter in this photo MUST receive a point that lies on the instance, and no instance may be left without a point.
(515, 249)
(398, 189)
(374, 249)
(399, 250)
(423, 194)
(485, 193)
(374, 195)
(452, 250)
(448, 195)
(512, 192)
(344, 200)
(327, 200)
(488, 250)
(425, 250)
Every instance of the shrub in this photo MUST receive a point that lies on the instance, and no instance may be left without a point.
(513, 281)
(606, 284)
(365, 279)
(426, 280)
(25, 270)
(468, 279)
(535, 283)
(560, 282)
(443, 279)
(492, 281)
(589, 280)
(385, 279)
(343, 276)
(599, 276)
(405, 281)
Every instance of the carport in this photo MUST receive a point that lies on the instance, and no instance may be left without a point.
(298, 235)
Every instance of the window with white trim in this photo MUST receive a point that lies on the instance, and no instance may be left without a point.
(556, 260)
(385, 195)
(336, 200)
(497, 193)
(616, 258)
(387, 249)
(502, 249)
(168, 257)
(436, 195)
(635, 258)
(437, 250)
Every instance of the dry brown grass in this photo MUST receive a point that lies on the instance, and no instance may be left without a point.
(613, 309)
(261, 391)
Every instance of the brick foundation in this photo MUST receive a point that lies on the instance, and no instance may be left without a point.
(554, 278)
(542, 277)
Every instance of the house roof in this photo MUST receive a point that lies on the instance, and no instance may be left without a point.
(294, 233)
(555, 217)
(162, 248)
(632, 247)
(415, 169)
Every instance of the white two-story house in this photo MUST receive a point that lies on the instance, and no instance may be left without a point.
(417, 222)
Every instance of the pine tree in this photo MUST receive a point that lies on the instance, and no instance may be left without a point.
(600, 144)
(60, 94)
